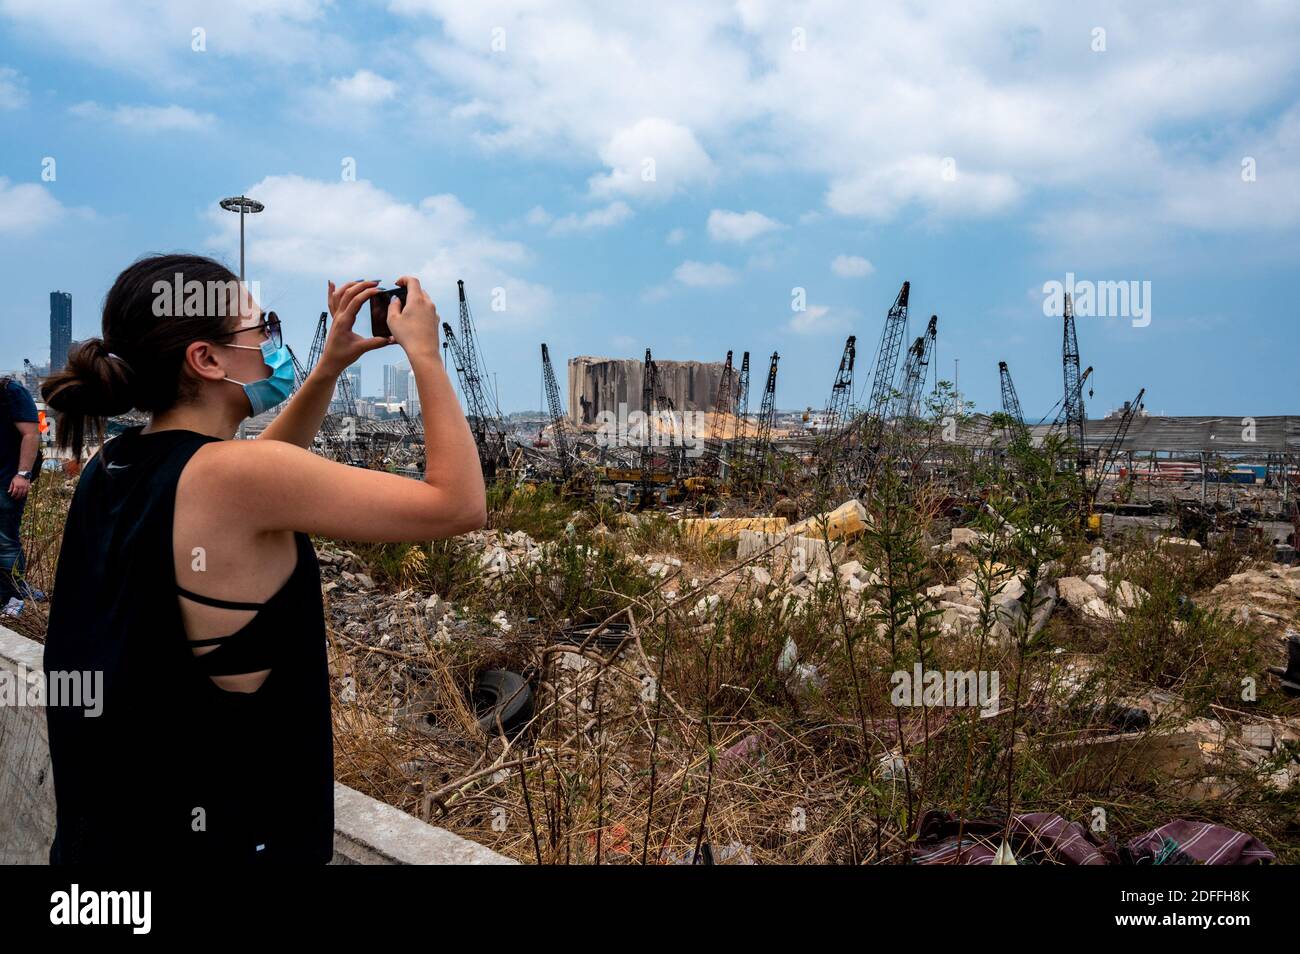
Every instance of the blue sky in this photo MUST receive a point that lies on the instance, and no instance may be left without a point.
(977, 150)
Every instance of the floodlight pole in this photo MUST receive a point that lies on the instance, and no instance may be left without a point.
(243, 205)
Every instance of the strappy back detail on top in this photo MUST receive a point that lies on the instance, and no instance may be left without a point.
(255, 646)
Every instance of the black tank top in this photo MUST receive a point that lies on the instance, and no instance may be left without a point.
(174, 767)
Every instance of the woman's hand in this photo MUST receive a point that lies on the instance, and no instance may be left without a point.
(414, 327)
(343, 346)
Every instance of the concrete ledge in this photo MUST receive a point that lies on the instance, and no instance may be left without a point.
(370, 832)
(26, 782)
(366, 831)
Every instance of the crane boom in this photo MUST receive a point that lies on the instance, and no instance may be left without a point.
(767, 413)
(742, 416)
(473, 376)
(1073, 409)
(915, 369)
(1011, 404)
(1107, 456)
(870, 425)
(557, 414)
(723, 408)
(484, 439)
(837, 405)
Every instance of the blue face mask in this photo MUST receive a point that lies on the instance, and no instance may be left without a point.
(266, 393)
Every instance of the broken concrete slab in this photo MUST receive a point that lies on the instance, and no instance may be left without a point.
(845, 521)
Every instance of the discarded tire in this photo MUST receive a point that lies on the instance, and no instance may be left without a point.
(611, 637)
(504, 696)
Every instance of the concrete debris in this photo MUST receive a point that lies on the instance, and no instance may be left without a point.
(1098, 583)
(728, 528)
(964, 537)
(1179, 545)
(1129, 596)
(844, 522)
(785, 549)
(1267, 592)
(1075, 592)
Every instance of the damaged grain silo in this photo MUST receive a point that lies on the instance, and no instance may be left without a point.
(602, 384)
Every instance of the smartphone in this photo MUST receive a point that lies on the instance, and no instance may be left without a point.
(379, 310)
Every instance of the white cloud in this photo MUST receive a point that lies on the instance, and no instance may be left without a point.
(1023, 107)
(651, 159)
(704, 275)
(851, 266)
(13, 88)
(816, 320)
(364, 88)
(148, 119)
(676, 236)
(934, 182)
(538, 216)
(343, 230)
(1031, 117)
(155, 38)
(26, 207)
(613, 214)
(727, 226)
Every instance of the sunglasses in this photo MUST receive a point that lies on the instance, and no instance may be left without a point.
(272, 325)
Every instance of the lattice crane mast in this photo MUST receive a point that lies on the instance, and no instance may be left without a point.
(557, 415)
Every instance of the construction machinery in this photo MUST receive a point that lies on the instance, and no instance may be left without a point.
(868, 428)
(647, 410)
(345, 400)
(737, 456)
(1059, 423)
(1018, 430)
(1106, 457)
(762, 448)
(563, 453)
(836, 415)
(484, 420)
(915, 370)
(837, 405)
(1073, 409)
(723, 411)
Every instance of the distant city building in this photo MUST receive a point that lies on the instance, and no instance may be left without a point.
(31, 376)
(60, 329)
(412, 396)
(395, 381)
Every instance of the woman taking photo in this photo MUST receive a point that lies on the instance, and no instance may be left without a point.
(187, 594)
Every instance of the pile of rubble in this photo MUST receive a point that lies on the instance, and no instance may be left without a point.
(365, 614)
(1148, 735)
(1267, 592)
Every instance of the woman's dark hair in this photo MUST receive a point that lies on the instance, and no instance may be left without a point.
(151, 315)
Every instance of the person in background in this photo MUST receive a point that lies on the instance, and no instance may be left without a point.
(19, 443)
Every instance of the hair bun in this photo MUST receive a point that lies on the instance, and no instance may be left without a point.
(95, 383)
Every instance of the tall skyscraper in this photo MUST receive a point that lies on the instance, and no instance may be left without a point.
(412, 396)
(60, 329)
(395, 378)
